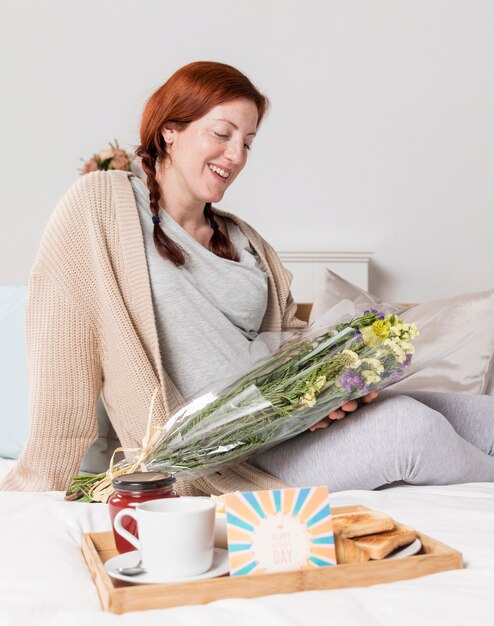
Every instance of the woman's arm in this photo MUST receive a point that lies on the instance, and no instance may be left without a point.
(292, 322)
(64, 385)
(289, 321)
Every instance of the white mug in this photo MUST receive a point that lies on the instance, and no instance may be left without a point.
(176, 535)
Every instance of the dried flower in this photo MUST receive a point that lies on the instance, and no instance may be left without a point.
(89, 166)
(120, 163)
(112, 158)
(283, 395)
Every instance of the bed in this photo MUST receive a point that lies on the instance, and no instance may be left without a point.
(44, 579)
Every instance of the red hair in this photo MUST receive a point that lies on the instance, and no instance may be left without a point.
(186, 96)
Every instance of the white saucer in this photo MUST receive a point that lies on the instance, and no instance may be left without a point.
(409, 550)
(219, 567)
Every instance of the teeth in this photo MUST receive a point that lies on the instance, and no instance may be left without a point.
(219, 171)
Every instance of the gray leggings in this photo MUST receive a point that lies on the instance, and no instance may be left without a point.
(423, 438)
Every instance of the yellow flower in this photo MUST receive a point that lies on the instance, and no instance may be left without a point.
(392, 320)
(375, 333)
(381, 328)
(368, 336)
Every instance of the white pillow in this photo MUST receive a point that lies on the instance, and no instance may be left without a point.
(459, 329)
(14, 408)
(14, 388)
(489, 390)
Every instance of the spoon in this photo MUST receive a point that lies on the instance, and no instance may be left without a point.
(132, 571)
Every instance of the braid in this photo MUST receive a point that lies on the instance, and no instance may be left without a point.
(165, 246)
(219, 244)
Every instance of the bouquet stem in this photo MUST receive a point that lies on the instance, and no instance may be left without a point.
(281, 397)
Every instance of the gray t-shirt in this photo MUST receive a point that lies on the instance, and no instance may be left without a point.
(207, 311)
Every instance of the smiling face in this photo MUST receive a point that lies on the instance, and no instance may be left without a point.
(208, 155)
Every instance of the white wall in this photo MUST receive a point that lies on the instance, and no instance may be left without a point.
(380, 136)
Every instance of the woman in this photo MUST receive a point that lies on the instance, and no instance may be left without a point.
(138, 286)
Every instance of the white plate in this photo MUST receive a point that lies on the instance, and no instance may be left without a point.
(219, 567)
(409, 550)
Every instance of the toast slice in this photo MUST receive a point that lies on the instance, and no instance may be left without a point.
(378, 546)
(361, 523)
(347, 551)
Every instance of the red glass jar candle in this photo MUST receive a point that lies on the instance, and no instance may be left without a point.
(131, 490)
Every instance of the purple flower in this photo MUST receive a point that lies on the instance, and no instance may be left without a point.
(343, 380)
(399, 372)
(350, 381)
(386, 361)
(380, 313)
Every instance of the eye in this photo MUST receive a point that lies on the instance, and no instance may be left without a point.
(227, 137)
(220, 135)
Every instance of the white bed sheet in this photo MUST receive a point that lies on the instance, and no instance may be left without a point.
(44, 579)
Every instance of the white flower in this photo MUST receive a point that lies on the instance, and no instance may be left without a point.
(376, 364)
(309, 399)
(404, 331)
(397, 329)
(409, 349)
(350, 359)
(370, 376)
(396, 349)
(106, 154)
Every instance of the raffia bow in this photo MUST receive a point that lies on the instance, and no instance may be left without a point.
(102, 490)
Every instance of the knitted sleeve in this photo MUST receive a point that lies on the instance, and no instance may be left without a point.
(291, 322)
(283, 280)
(64, 385)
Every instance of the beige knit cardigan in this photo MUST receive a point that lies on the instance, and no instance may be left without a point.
(90, 330)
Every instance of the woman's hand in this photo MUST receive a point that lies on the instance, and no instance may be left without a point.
(348, 407)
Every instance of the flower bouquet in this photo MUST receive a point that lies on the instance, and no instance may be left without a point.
(310, 374)
(112, 158)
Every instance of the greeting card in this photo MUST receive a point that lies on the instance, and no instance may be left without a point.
(279, 530)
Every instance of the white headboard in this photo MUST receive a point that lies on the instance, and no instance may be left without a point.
(308, 270)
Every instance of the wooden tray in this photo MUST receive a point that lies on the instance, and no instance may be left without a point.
(119, 597)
